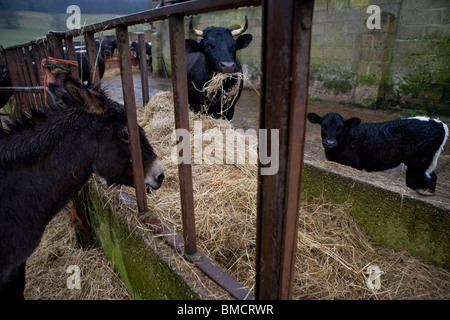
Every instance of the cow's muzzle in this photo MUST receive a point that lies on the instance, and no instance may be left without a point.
(226, 67)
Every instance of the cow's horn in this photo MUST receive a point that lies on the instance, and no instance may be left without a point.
(194, 31)
(240, 30)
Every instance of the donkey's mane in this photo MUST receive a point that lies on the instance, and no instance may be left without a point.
(30, 137)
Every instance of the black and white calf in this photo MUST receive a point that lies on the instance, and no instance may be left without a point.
(415, 142)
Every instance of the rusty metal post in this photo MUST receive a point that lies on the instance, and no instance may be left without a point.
(92, 53)
(126, 75)
(286, 25)
(143, 67)
(180, 98)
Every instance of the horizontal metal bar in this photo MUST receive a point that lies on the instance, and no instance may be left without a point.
(183, 8)
(219, 276)
(22, 89)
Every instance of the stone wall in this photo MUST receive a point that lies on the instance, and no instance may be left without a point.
(405, 63)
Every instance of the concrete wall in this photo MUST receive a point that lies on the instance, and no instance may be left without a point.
(406, 63)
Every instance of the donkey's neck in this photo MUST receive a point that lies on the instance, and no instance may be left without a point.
(47, 168)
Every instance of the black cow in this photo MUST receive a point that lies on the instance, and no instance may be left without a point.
(83, 67)
(215, 53)
(416, 142)
(148, 50)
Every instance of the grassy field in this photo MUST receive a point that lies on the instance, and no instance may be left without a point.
(34, 25)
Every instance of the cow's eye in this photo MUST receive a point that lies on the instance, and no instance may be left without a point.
(339, 128)
(209, 46)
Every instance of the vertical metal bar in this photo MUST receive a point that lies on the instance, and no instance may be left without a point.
(71, 55)
(126, 74)
(143, 66)
(286, 25)
(301, 32)
(92, 52)
(180, 97)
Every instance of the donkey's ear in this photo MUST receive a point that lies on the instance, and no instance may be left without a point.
(89, 100)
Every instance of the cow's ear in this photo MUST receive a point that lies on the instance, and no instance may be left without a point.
(352, 122)
(192, 45)
(89, 100)
(314, 118)
(243, 41)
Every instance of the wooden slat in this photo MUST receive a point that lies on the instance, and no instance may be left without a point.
(71, 55)
(14, 75)
(55, 45)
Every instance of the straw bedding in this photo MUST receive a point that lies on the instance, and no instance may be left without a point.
(333, 253)
(46, 276)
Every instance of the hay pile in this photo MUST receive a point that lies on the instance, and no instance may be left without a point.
(333, 253)
(46, 276)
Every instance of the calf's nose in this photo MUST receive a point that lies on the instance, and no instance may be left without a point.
(329, 143)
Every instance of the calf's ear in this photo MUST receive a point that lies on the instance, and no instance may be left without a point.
(89, 100)
(352, 122)
(243, 41)
(314, 118)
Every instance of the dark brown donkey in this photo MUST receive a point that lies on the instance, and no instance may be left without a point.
(45, 159)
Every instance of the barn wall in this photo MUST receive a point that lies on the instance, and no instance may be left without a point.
(406, 63)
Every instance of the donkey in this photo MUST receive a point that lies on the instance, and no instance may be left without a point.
(45, 159)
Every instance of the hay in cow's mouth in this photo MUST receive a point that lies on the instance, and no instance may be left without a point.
(215, 92)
